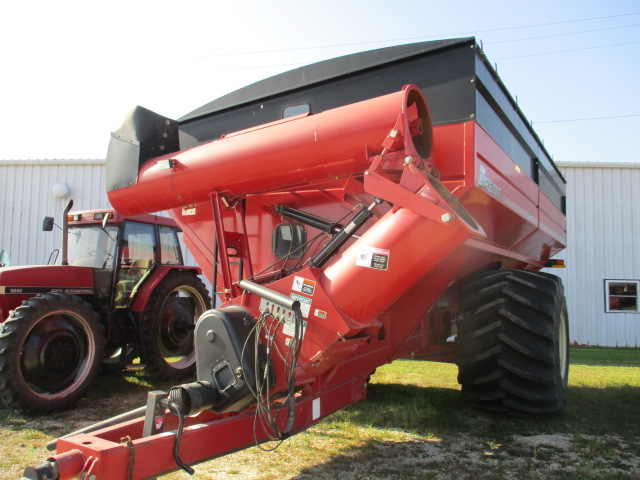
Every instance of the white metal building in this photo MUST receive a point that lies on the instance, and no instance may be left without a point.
(33, 189)
(603, 253)
(27, 196)
(603, 221)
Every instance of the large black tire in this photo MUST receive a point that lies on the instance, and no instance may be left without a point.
(50, 352)
(167, 326)
(513, 343)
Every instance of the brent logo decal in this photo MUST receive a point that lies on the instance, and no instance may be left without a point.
(488, 185)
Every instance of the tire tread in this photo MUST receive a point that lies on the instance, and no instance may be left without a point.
(506, 341)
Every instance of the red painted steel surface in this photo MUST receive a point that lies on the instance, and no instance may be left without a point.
(154, 279)
(403, 243)
(292, 152)
(23, 282)
(374, 300)
(87, 216)
(520, 219)
(207, 437)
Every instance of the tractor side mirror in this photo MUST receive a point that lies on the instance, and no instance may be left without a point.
(4, 259)
(47, 224)
(105, 220)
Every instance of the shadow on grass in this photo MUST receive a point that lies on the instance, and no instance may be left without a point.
(603, 411)
(471, 457)
(384, 460)
(110, 394)
(444, 433)
(410, 408)
(130, 381)
(439, 411)
(454, 440)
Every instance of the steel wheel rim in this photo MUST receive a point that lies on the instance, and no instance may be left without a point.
(562, 347)
(172, 334)
(71, 329)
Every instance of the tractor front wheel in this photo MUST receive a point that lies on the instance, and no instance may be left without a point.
(50, 351)
(168, 322)
(513, 343)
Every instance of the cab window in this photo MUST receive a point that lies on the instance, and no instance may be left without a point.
(137, 258)
(169, 247)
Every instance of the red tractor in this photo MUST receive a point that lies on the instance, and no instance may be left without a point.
(120, 291)
(384, 205)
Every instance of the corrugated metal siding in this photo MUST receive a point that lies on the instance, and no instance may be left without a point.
(603, 230)
(26, 198)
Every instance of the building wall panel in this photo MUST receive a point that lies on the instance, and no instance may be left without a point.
(27, 198)
(603, 230)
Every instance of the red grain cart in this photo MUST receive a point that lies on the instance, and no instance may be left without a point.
(346, 219)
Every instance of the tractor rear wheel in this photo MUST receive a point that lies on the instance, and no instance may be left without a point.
(513, 343)
(168, 322)
(50, 351)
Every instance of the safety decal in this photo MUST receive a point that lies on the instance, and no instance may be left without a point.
(305, 304)
(303, 285)
(320, 313)
(371, 257)
(289, 328)
(189, 210)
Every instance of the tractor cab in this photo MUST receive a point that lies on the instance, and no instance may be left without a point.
(122, 251)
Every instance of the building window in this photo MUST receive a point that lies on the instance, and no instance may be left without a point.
(622, 295)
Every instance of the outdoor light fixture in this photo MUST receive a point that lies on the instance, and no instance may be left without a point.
(61, 190)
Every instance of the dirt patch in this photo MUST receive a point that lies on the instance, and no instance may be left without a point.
(368, 454)
(409, 457)
(562, 442)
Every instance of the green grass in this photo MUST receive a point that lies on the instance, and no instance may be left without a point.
(421, 400)
(617, 357)
(414, 425)
(423, 397)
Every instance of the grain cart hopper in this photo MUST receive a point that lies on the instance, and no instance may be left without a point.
(344, 224)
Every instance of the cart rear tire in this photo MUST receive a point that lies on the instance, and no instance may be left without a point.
(168, 323)
(50, 351)
(513, 343)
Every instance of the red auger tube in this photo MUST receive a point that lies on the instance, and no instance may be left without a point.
(296, 151)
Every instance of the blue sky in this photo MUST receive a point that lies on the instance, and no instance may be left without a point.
(71, 70)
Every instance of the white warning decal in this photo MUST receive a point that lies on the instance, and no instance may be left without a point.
(371, 257)
(189, 210)
(303, 285)
(289, 329)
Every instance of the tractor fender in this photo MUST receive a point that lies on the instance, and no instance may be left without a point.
(154, 279)
(20, 283)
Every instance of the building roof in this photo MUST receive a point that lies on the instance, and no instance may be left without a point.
(598, 164)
